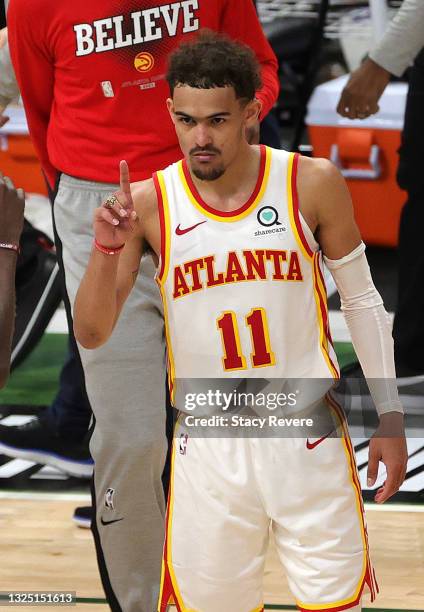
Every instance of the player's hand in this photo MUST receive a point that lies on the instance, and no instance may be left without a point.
(359, 99)
(115, 219)
(388, 445)
(12, 204)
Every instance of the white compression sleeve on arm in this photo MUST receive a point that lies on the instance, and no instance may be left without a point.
(369, 326)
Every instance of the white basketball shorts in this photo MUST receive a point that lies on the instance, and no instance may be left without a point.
(226, 494)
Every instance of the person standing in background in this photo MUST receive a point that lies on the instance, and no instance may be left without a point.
(102, 66)
(401, 46)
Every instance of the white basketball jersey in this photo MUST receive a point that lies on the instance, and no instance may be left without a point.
(243, 291)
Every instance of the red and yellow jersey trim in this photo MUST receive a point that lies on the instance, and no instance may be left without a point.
(293, 202)
(165, 229)
(169, 591)
(320, 293)
(367, 574)
(161, 276)
(234, 215)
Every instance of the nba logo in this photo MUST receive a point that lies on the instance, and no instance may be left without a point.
(109, 499)
(107, 89)
(183, 444)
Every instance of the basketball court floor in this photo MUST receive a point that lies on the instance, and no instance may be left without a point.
(42, 550)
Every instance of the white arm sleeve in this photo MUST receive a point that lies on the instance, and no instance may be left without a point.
(403, 38)
(369, 326)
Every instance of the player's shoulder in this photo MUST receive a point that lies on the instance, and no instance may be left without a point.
(319, 180)
(318, 172)
(321, 187)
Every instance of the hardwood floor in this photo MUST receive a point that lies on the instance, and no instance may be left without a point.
(42, 550)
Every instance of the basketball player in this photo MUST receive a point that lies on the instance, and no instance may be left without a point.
(12, 203)
(240, 301)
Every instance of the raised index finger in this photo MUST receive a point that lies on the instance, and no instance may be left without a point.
(124, 181)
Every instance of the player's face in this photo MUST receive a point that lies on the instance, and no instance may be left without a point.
(210, 125)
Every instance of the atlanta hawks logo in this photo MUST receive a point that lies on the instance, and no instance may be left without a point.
(144, 62)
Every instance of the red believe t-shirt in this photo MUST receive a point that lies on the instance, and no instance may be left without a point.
(92, 77)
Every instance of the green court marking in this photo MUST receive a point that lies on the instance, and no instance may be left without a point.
(345, 353)
(89, 600)
(35, 381)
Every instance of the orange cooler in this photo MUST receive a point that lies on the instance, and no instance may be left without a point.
(17, 155)
(366, 152)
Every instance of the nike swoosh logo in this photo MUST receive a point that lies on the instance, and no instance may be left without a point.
(181, 232)
(103, 522)
(312, 445)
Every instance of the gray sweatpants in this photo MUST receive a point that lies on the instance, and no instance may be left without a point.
(125, 381)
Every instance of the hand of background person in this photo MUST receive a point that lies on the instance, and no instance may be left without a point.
(388, 445)
(113, 225)
(359, 98)
(12, 203)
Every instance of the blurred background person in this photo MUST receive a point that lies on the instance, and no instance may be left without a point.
(401, 46)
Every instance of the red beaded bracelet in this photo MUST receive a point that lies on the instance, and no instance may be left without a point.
(10, 246)
(108, 250)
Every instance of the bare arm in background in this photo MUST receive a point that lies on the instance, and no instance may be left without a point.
(11, 221)
(401, 43)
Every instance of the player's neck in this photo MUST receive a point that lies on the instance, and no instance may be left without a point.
(236, 185)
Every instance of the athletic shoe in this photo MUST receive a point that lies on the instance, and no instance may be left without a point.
(82, 516)
(36, 441)
(38, 294)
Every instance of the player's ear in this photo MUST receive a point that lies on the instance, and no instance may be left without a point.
(170, 107)
(252, 112)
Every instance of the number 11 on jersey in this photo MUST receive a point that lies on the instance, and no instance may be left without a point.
(261, 355)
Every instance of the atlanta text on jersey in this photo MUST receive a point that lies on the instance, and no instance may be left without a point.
(145, 26)
(245, 266)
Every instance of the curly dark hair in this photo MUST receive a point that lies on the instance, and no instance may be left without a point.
(214, 60)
